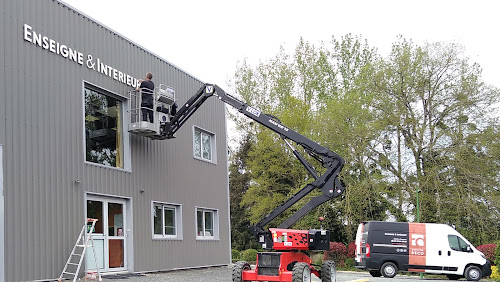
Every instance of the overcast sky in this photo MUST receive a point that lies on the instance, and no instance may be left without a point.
(207, 38)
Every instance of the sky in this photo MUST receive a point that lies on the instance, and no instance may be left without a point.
(207, 38)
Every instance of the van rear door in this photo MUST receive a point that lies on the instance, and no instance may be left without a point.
(360, 253)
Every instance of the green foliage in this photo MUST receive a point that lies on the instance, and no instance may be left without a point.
(418, 121)
(497, 254)
(275, 176)
(349, 263)
(427, 97)
(235, 254)
(239, 181)
(249, 255)
(317, 259)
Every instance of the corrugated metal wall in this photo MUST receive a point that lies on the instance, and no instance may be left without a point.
(41, 130)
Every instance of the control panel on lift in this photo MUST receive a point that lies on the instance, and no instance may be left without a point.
(290, 239)
(163, 108)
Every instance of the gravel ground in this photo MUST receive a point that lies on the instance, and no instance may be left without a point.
(223, 274)
(209, 274)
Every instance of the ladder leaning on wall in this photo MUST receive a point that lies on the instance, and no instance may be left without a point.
(78, 252)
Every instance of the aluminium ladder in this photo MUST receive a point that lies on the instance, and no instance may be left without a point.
(82, 243)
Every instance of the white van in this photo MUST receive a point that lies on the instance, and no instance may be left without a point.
(384, 248)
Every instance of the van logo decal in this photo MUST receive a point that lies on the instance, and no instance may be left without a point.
(417, 240)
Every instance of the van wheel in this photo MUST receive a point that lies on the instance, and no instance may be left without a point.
(328, 271)
(375, 273)
(453, 276)
(473, 273)
(389, 270)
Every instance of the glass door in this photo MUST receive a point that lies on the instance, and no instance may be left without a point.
(95, 210)
(116, 238)
(109, 234)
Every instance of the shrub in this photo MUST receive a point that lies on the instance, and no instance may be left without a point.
(337, 253)
(351, 250)
(317, 259)
(249, 255)
(349, 263)
(495, 273)
(235, 254)
(497, 255)
(488, 250)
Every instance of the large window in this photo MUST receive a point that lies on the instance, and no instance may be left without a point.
(166, 221)
(103, 129)
(204, 145)
(207, 223)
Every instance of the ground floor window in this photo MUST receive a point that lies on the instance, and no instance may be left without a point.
(166, 221)
(207, 223)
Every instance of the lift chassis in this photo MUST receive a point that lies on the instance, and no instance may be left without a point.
(290, 263)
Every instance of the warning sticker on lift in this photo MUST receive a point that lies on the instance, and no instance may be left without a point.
(279, 239)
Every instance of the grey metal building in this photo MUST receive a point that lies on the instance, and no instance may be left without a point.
(68, 152)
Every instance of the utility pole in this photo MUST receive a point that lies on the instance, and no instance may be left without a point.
(418, 210)
(418, 220)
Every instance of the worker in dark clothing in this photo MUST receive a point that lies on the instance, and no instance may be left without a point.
(147, 87)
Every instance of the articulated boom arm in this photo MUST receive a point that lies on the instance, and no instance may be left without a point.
(327, 182)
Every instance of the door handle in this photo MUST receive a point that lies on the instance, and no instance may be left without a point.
(439, 252)
(449, 253)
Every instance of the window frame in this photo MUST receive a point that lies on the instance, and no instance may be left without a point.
(124, 134)
(215, 223)
(213, 143)
(177, 221)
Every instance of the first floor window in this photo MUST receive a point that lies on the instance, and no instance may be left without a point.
(207, 222)
(204, 145)
(103, 128)
(166, 221)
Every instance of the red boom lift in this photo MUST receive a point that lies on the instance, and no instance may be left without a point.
(290, 263)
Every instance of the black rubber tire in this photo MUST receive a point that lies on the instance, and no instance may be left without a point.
(328, 271)
(375, 273)
(473, 273)
(389, 270)
(453, 276)
(301, 272)
(238, 270)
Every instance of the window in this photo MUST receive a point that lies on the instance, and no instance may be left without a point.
(206, 224)
(103, 128)
(166, 221)
(204, 145)
(458, 244)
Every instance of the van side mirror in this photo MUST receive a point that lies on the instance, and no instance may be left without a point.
(469, 249)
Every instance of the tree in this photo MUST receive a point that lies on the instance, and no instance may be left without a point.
(433, 106)
(315, 92)
(419, 121)
(276, 173)
(345, 123)
(239, 181)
